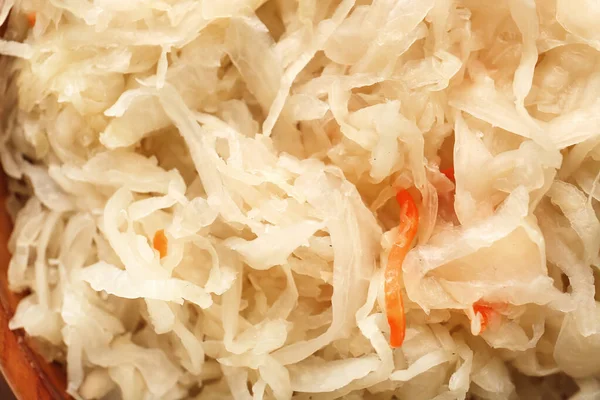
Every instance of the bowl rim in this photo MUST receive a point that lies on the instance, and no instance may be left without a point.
(28, 375)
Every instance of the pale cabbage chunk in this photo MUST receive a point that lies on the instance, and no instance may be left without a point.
(267, 139)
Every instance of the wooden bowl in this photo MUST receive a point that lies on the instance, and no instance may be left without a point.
(29, 375)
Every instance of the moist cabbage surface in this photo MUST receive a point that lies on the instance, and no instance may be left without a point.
(203, 195)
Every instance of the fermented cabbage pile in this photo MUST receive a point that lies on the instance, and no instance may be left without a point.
(204, 195)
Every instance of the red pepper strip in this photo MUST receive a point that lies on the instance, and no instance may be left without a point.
(31, 17)
(409, 222)
(449, 172)
(160, 242)
(486, 311)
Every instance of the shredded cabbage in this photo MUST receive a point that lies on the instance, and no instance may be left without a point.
(203, 195)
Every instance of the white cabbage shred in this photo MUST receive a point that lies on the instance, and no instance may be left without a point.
(266, 139)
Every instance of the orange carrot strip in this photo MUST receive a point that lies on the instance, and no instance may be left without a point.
(160, 242)
(31, 18)
(486, 311)
(409, 222)
(449, 172)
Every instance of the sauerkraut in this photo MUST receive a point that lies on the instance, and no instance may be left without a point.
(203, 195)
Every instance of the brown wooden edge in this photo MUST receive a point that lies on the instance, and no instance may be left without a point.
(29, 376)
